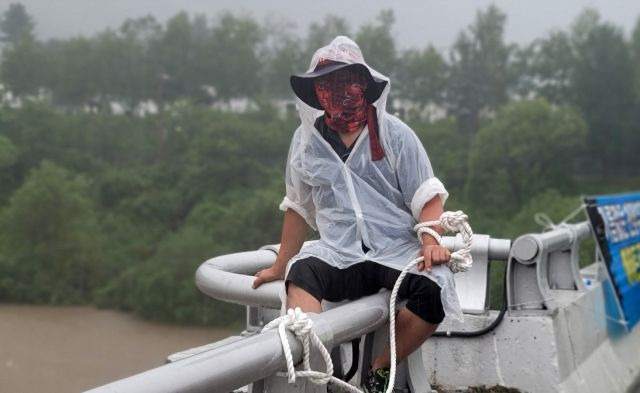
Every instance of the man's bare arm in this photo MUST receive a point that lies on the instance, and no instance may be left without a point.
(294, 232)
(433, 253)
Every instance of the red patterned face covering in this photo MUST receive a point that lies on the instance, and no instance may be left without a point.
(341, 95)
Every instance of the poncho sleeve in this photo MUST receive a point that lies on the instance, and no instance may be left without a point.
(298, 194)
(415, 175)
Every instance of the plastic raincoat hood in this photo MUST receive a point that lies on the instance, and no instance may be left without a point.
(360, 201)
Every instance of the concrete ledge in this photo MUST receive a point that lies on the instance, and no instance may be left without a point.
(575, 349)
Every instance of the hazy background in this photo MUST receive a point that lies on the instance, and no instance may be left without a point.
(418, 22)
(140, 138)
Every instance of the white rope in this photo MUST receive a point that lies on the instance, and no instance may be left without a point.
(545, 221)
(300, 324)
(392, 322)
(451, 222)
(460, 261)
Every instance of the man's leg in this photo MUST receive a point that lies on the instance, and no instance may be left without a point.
(310, 280)
(411, 332)
(298, 297)
(418, 320)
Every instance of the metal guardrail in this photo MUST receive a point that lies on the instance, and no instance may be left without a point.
(542, 262)
(229, 277)
(237, 364)
(537, 264)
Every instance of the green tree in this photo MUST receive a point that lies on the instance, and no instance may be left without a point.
(529, 147)
(163, 289)
(480, 74)
(8, 157)
(142, 30)
(70, 73)
(50, 239)
(241, 220)
(603, 89)
(135, 80)
(22, 64)
(133, 53)
(175, 52)
(422, 76)
(233, 48)
(635, 53)
(548, 66)
(16, 24)
(23, 67)
(448, 150)
(35, 131)
(8, 153)
(283, 55)
(377, 43)
(321, 34)
(549, 202)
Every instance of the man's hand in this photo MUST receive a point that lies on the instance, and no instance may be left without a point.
(267, 275)
(434, 254)
(294, 231)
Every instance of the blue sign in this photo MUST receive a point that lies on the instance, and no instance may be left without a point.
(616, 223)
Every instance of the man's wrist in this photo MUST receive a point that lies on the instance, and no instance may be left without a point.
(428, 239)
(280, 266)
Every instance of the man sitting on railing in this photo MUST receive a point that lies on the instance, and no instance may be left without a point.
(361, 177)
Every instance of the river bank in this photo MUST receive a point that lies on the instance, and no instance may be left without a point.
(71, 349)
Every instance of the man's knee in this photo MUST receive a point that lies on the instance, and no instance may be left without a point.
(299, 297)
(296, 292)
(306, 274)
(428, 321)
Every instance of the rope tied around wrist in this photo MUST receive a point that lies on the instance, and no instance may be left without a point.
(451, 222)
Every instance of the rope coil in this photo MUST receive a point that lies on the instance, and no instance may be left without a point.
(302, 326)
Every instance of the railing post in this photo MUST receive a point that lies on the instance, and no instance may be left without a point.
(541, 263)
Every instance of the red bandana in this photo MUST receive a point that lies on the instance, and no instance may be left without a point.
(341, 95)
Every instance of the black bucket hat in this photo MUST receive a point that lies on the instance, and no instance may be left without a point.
(302, 84)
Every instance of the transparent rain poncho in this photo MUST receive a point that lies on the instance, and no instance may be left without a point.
(360, 201)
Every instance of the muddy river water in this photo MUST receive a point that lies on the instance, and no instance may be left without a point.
(71, 349)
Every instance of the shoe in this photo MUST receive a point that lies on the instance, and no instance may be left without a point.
(377, 381)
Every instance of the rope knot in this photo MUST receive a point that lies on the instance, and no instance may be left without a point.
(298, 322)
(301, 325)
(461, 260)
(452, 221)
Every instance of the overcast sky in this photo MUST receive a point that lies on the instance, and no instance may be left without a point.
(417, 21)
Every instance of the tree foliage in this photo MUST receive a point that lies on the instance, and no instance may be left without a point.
(320, 34)
(523, 152)
(119, 210)
(377, 42)
(548, 65)
(480, 71)
(53, 248)
(16, 24)
(422, 76)
(603, 90)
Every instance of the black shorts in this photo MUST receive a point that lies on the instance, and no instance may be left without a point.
(324, 281)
